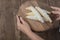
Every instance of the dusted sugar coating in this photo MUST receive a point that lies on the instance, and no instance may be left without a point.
(36, 16)
(44, 14)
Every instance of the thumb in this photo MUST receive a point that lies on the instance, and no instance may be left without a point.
(22, 20)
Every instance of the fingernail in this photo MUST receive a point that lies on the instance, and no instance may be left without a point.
(51, 6)
(21, 18)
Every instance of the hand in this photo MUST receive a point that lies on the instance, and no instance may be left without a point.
(56, 11)
(25, 28)
(22, 25)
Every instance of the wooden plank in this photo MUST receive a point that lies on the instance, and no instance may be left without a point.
(8, 10)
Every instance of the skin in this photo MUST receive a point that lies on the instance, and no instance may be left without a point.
(25, 28)
(56, 11)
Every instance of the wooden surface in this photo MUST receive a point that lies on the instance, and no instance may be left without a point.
(8, 31)
(8, 10)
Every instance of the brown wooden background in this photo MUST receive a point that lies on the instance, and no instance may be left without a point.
(8, 10)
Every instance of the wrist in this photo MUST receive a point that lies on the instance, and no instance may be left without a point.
(33, 36)
(28, 32)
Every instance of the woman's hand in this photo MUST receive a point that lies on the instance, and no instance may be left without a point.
(22, 25)
(25, 28)
(56, 11)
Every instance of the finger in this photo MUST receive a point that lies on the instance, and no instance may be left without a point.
(55, 8)
(56, 12)
(18, 21)
(22, 20)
